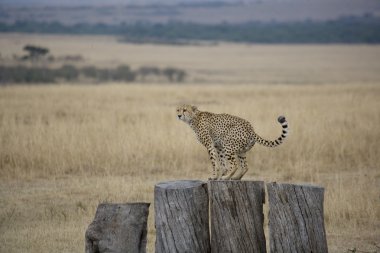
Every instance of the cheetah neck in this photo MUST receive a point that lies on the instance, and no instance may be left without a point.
(195, 121)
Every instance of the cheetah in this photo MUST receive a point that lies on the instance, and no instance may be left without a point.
(227, 138)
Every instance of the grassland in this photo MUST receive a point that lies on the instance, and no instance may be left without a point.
(66, 148)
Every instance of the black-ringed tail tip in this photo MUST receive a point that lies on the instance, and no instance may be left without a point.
(280, 139)
(285, 128)
(281, 119)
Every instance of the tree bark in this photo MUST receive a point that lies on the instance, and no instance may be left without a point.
(118, 228)
(236, 209)
(181, 216)
(296, 218)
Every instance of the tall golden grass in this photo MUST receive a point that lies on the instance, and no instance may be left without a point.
(66, 148)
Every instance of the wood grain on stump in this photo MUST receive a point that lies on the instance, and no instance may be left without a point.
(236, 210)
(296, 218)
(181, 217)
(118, 228)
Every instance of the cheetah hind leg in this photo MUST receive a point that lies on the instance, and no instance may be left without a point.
(232, 167)
(222, 163)
(243, 167)
(213, 158)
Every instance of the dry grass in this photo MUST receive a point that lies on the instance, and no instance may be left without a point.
(65, 149)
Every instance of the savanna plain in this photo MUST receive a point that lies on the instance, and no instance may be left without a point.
(65, 148)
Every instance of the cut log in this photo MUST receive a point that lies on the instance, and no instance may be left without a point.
(181, 217)
(118, 228)
(236, 210)
(296, 218)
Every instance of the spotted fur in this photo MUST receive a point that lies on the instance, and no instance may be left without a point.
(227, 139)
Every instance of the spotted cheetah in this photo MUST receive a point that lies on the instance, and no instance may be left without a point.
(227, 139)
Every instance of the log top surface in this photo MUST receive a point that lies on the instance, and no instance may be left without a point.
(180, 184)
(297, 185)
(124, 204)
(234, 181)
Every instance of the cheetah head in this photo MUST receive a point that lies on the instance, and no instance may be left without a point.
(186, 112)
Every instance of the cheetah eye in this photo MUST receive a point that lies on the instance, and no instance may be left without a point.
(184, 110)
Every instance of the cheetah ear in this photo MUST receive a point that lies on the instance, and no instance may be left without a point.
(194, 108)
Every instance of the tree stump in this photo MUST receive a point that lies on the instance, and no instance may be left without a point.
(236, 209)
(296, 218)
(181, 216)
(118, 228)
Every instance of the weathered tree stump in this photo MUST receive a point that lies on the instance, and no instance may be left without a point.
(296, 218)
(118, 228)
(236, 209)
(182, 217)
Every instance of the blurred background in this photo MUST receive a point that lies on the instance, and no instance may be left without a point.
(88, 91)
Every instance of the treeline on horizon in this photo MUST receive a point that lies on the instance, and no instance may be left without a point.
(350, 29)
(70, 73)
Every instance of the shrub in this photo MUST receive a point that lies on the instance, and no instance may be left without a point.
(68, 72)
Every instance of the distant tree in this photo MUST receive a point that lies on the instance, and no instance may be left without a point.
(89, 71)
(103, 74)
(181, 74)
(144, 72)
(174, 75)
(35, 52)
(68, 72)
(22, 74)
(124, 73)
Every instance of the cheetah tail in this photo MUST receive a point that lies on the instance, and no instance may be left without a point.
(280, 139)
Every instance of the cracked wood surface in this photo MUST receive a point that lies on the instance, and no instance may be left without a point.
(181, 217)
(118, 228)
(296, 222)
(236, 210)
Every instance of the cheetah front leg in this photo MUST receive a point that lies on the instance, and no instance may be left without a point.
(213, 153)
(232, 166)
